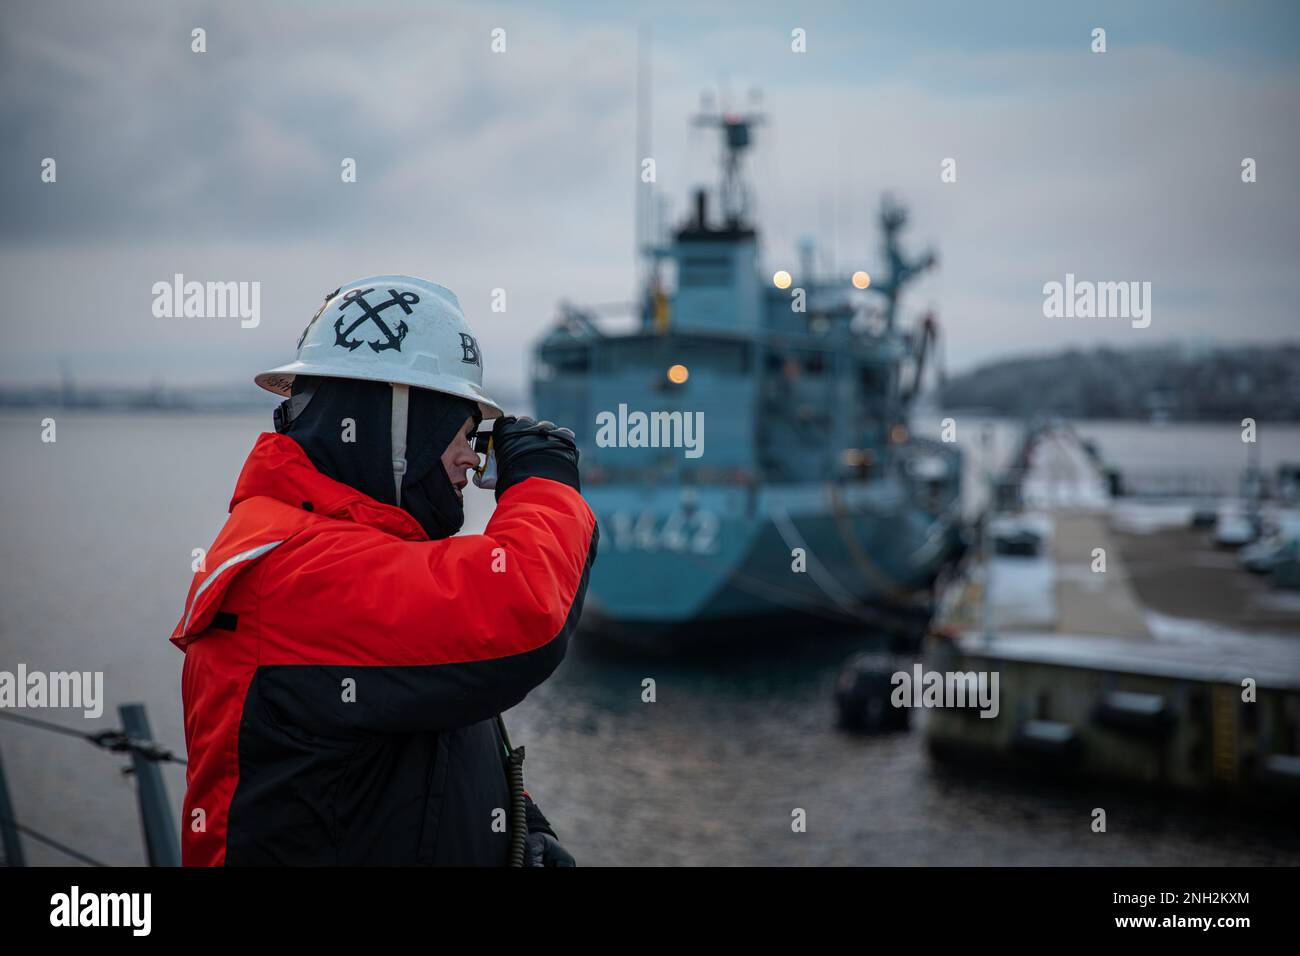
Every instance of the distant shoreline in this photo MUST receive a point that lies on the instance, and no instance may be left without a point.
(1157, 384)
(995, 414)
(268, 403)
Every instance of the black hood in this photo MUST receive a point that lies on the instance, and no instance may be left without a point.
(365, 462)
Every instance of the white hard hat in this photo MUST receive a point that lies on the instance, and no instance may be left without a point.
(401, 330)
(397, 329)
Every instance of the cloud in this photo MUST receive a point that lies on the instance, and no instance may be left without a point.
(517, 171)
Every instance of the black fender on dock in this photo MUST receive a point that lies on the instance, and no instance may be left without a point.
(862, 693)
(1049, 742)
(1147, 715)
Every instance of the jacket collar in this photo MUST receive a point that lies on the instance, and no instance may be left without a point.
(278, 468)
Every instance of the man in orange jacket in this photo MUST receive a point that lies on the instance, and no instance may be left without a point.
(346, 658)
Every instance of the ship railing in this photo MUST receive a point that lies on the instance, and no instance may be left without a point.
(161, 838)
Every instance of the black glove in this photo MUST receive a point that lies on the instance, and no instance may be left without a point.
(528, 449)
(542, 849)
(535, 819)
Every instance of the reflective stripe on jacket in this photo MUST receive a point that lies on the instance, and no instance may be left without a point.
(343, 672)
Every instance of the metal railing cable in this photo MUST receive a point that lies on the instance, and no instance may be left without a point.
(114, 740)
(52, 843)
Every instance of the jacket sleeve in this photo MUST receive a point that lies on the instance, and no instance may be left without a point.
(536, 820)
(364, 633)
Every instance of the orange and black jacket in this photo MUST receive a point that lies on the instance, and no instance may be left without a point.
(343, 672)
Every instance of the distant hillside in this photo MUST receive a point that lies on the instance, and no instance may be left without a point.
(1224, 383)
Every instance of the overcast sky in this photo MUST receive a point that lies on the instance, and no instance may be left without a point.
(519, 170)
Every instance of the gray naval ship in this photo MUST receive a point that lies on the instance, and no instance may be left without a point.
(745, 447)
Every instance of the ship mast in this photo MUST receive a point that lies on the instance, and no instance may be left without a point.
(645, 237)
(902, 271)
(732, 191)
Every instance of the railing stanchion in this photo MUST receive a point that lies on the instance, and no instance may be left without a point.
(9, 842)
(161, 838)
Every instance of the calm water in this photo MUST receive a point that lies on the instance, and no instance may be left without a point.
(96, 536)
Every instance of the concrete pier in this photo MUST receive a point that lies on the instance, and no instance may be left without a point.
(1092, 601)
(1055, 591)
(1086, 687)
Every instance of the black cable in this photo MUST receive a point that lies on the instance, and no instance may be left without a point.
(518, 811)
(519, 837)
(114, 740)
(51, 842)
(44, 725)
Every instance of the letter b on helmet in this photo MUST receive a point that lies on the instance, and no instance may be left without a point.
(469, 347)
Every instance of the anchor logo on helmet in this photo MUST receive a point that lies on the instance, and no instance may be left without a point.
(392, 340)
